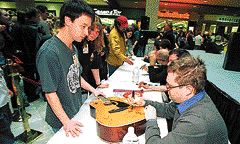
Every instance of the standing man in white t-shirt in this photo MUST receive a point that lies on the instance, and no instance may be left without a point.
(198, 41)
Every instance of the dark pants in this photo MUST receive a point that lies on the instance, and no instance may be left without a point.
(30, 72)
(197, 47)
(112, 69)
(104, 71)
(6, 136)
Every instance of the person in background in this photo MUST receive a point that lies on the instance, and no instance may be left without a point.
(6, 136)
(60, 70)
(163, 44)
(136, 36)
(198, 41)
(206, 40)
(101, 51)
(173, 55)
(158, 73)
(6, 40)
(28, 39)
(89, 55)
(181, 39)
(43, 11)
(190, 42)
(196, 118)
(213, 37)
(156, 48)
(104, 54)
(97, 65)
(116, 56)
(168, 34)
(129, 42)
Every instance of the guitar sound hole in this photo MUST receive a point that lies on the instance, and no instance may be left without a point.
(119, 104)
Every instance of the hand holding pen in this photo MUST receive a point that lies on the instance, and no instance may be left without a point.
(143, 85)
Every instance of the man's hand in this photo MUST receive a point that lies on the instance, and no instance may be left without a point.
(150, 112)
(97, 92)
(72, 127)
(143, 85)
(103, 85)
(152, 59)
(10, 92)
(129, 61)
(137, 101)
(144, 67)
(2, 27)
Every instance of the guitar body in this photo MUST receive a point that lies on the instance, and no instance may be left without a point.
(112, 127)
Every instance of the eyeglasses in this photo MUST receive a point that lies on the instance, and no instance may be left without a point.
(169, 87)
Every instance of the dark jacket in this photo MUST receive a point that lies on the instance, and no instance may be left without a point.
(158, 74)
(200, 123)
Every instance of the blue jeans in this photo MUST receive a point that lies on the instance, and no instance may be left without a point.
(112, 69)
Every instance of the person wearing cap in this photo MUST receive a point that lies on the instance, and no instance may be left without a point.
(116, 56)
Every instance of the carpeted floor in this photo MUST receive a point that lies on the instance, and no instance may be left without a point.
(228, 81)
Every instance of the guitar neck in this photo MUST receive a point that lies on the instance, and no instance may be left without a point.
(124, 90)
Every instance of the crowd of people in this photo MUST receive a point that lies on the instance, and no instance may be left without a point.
(81, 53)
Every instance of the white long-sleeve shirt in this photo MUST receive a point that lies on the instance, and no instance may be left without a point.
(4, 95)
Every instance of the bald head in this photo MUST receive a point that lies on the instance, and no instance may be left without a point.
(162, 56)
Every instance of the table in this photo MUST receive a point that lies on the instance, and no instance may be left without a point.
(120, 79)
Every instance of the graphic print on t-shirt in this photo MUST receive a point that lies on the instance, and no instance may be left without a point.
(85, 49)
(73, 76)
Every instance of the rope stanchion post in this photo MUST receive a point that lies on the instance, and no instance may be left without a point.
(10, 68)
(29, 135)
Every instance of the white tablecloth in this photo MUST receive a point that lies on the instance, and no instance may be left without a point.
(120, 79)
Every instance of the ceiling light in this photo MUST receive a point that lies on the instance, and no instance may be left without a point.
(135, 2)
(205, 1)
(165, 4)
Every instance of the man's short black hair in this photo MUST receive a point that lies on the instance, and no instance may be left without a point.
(74, 9)
(179, 52)
(41, 8)
(165, 44)
(157, 44)
(31, 12)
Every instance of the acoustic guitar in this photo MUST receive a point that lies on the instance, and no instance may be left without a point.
(114, 118)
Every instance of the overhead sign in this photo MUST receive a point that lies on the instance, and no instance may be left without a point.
(174, 15)
(222, 18)
(113, 12)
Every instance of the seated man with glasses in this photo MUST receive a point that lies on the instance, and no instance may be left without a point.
(195, 117)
